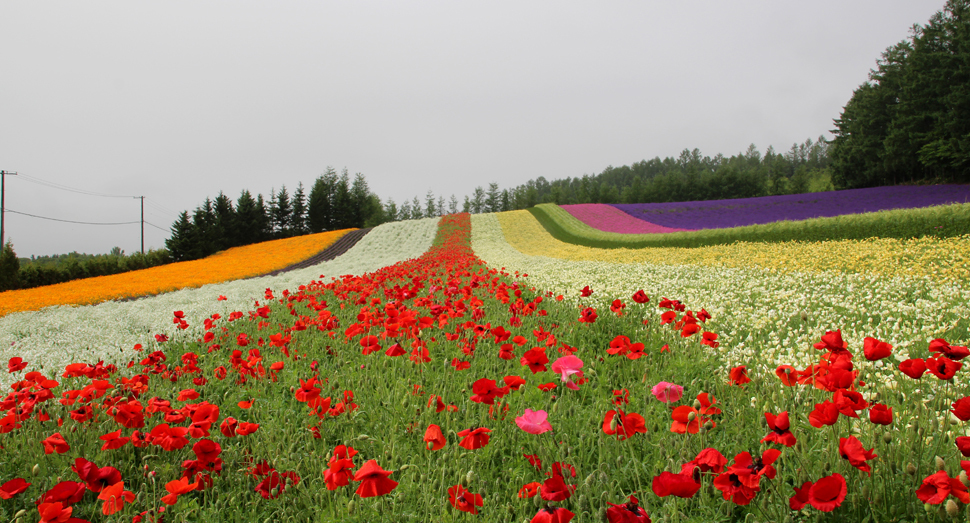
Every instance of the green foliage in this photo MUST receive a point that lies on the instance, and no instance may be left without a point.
(9, 268)
(49, 270)
(940, 221)
(911, 120)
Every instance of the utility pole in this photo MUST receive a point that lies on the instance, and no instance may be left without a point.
(142, 224)
(3, 179)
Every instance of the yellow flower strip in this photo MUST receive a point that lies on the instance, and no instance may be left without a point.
(942, 260)
(231, 264)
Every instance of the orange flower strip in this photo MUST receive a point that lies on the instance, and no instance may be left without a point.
(231, 264)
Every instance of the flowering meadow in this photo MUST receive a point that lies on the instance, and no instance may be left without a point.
(720, 214)
(478, 380)
(231, 264)
(58, 336)
(610, 219)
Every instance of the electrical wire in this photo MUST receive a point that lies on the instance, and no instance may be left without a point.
(71, 221)
(39, 181)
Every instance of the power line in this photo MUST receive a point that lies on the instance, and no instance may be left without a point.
(38, 181)
(72, 221)
(157, 227)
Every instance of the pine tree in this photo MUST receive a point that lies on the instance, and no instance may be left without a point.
(320, 207)
(360, 204)
(9, 268)
(299, 219)
(342, 203)
(281, 214)
(178, 243)
(246, 227)
(225, 217)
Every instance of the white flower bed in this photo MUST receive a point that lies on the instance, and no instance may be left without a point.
(758, 314)
(57, 336)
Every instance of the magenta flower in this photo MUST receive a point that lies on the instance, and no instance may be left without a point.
(534, 422)
(566, 367)
(667, 392)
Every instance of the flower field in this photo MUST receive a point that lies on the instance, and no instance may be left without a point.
(479, 378)
(720, 214)
(105, 332)
(610, 219)
(231, 264)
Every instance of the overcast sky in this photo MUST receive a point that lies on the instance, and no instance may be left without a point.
(178, 100)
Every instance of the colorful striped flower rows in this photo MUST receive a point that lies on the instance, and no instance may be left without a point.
(231, 264)
(646, 218)
(57, 336)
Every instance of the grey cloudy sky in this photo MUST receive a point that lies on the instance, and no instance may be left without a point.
(178, 100)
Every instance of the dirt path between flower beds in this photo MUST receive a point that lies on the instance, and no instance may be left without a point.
(335, 249)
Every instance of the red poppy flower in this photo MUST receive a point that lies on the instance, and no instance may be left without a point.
(588, 315)
(513, 382)
(881, 414)
(176, 488)
(914, 368)
(961, 408)
(779, 426)
(800, 499)
(629, 512)
(169, 438)
(94, 477)
(640, 297)
(551, 514)
(585, 292)
(707, 460)
(395, 350)
(942, 367)
(710, 339)
(683, 420)
(617, 307)
(689, 330)
(463, 500)
(739, 376)
(827, 493)
(851, 449)
(832, 341)
(246, 428)
(620, 345)
(937, 487)
(537, 463)
(535, 359)
(434, 437)
(374, 480)
(529, 490)
(13, 487)
(670, 484)
(55, 443)
(825, 413)
(16, 363)
(546, 387)
(849, 402)
(474, 438)
(115, 497)
(622, 424)
(339, 468)
(963, 445)
(556, 489)
(876, 350)
(67, 492)
(943, 348)
(486, 391)
(787, 374)
(130, 415)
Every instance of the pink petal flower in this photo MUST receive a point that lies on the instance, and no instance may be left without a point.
(534, 422)
(667, 392)
(566, 367)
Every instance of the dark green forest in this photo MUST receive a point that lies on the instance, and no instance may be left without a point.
(334, 202)
(911, 121)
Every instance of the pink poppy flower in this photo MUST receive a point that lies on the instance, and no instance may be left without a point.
(566, 367)
(534, 422)
(667, 392)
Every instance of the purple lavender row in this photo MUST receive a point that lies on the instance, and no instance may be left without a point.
(718, 214)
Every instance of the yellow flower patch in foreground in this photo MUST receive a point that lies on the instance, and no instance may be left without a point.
(942, 260)
(231, 264)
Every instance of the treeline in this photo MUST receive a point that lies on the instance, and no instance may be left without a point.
(803, 168)
(334, 202)
(25, 273)
(911, 121)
